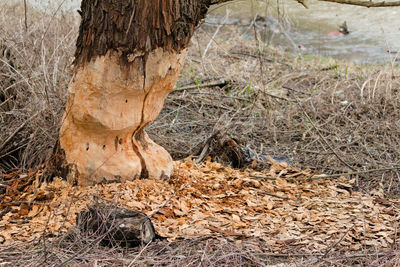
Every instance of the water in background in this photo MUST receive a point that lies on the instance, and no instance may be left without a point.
(374, 33)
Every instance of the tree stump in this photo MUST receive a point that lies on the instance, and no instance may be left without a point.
(116, 226)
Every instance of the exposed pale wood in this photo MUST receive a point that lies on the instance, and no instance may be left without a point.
(103, 135)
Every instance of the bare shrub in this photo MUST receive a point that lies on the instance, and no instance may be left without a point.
(34, 74)
(268, 104)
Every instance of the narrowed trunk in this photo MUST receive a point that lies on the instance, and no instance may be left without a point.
(128, 58)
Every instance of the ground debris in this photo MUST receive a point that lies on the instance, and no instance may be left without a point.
(212, 200)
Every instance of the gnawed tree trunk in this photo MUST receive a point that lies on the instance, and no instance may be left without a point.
(128, 58)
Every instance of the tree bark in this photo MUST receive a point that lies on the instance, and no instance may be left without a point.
(128, 58)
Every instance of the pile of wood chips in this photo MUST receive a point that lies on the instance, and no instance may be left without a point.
(288, 208)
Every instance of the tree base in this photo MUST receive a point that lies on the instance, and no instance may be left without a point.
(110, 103)
(111, 158)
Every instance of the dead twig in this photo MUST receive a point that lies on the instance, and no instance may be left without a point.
(12, 203)
(294, 90)
(337, 242)
(138, 255)
(323, 176)
(19, 129)
(273, 195)
(224, 232)
(26, 16)
(166, 202)
(252, 55)
(205, 150)
(320, 134)
(365, 3)
(222, 82)
(288, 255)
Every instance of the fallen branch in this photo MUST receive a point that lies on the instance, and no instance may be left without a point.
(17, 203)
(278, 97)
(294, 90)
(252, 55)
(225, 232)
(222, 82)
(323, 176)
(205, 151)
(139, 254)
(365, 3)
(337, 242)
(288, 255)
(346, 2)
(272, 178)
(166, 202)
(273, 195)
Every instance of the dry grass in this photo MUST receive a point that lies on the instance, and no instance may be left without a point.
(34, 74)
(354, 108)
(323, 114)
(206, 251)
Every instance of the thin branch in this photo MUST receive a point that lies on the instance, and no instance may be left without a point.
(217, 2)
(26, 16)
(272, 195)
(139, 254)
(320, 135)
(13, 203)
(323, 176)
(19, 129)
(214, 35)
(346, 2)
(302, 2)
(288, 255)
(365, 3)
(337, 242)
(166, 202)
(222, 82)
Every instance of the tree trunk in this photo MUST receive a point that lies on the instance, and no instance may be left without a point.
(128, 58)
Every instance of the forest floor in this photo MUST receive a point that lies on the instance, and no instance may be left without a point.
(311, 114)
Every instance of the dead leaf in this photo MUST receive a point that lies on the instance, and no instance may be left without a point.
(23, 209)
